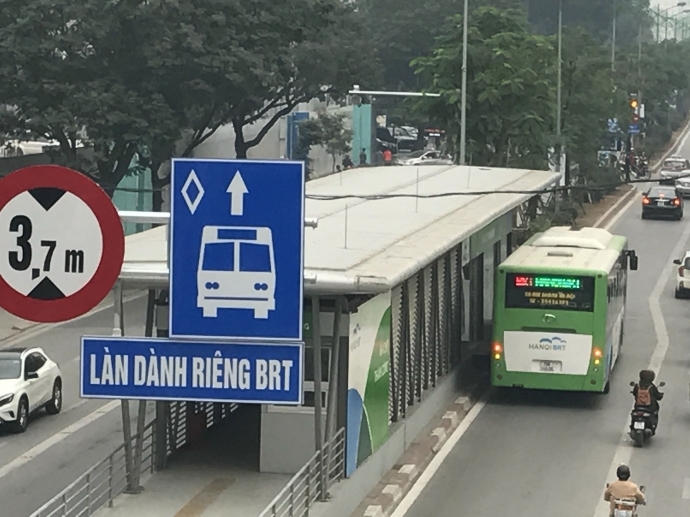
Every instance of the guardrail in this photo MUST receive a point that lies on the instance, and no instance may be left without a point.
(305, 487)
(100, 484)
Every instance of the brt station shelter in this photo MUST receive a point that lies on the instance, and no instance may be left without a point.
(398, 292)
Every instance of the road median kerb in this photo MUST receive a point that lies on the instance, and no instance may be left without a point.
(384, 498)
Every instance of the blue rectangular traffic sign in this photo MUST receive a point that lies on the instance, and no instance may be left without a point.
(165, 369)
(634, 129)
(237, 250)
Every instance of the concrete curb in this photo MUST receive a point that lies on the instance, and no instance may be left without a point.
(383, 500)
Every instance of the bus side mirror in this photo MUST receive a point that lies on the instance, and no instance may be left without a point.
(633, 262)
(677, 261)
(662, 384)
(632, 383)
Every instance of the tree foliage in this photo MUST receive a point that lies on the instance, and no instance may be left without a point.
(127, 76)
(326, 130)
(510, 89)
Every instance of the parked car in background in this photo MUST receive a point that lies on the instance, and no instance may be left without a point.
(429, 157)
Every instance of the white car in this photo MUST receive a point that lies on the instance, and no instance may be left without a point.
(430, 157)
(673, 168)
(683, 276)
(29, 381)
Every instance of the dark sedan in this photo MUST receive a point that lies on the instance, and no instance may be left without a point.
(662, 201)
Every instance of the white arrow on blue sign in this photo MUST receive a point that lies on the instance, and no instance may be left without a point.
(236, 250)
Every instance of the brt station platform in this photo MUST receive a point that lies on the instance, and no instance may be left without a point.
(398, 292)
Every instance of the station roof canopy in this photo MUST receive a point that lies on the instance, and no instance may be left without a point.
(370, 245)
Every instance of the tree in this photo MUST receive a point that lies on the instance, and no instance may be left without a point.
(336, 137)
(510, 91)
(73, 73)
(326, 130)
(125, 76)
(326, 57)
(278, 55)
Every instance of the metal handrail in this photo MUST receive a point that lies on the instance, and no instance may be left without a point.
(304, 489)
(100, 484)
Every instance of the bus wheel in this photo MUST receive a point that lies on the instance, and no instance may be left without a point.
(607, 388)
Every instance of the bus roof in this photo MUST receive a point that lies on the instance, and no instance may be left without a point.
(560, 248)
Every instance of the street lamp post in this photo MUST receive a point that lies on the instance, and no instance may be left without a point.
(658, 18)
(558, 89)
(613, 38)
(463, 99)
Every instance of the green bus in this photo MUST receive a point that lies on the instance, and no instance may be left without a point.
(559, 309)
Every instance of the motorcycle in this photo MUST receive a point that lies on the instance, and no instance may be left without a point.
(625, 507)
(641, 428)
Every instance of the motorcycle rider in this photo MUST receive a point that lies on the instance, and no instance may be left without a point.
(623, 489)
(647, 396)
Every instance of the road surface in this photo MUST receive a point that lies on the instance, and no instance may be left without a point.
(55, 450)
(539, 454)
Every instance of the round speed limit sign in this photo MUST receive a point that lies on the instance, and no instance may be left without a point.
(61, 244)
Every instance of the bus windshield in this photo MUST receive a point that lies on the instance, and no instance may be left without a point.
(219, 256)
(538, 291)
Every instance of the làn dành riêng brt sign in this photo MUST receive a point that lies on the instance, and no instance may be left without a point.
(163, 369)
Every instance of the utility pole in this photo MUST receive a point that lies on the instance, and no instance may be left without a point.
(559, 86)
(463, 100)
(613, 39)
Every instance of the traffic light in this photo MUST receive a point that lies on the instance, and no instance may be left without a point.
(635, 118)
(634, 103)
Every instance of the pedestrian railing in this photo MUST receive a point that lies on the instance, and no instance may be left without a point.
(312, 483)
(101, 483)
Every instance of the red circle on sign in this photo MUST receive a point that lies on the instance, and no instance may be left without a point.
(112, 256)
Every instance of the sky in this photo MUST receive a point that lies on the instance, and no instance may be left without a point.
(663, 3)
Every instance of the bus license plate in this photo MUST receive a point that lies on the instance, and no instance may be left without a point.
(638, 425)
(550, 366)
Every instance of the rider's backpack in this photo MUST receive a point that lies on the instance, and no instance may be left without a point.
(644, 397)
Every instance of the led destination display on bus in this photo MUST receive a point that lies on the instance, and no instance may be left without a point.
(529, 291)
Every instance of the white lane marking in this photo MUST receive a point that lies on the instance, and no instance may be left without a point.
(624, 450)
(437, 461)
(42, 328)
(57, 438)
(686, 488)
(77, 405)
(623, 210)
(680, 143)
(631, 192)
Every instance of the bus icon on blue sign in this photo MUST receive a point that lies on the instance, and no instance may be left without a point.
(236, 270)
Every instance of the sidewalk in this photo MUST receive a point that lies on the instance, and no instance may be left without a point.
(200, 490)
(214, 481)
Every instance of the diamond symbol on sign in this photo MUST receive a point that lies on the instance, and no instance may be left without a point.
(192, 181)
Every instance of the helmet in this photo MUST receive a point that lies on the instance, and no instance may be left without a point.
(623, 472)
(647, 376)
